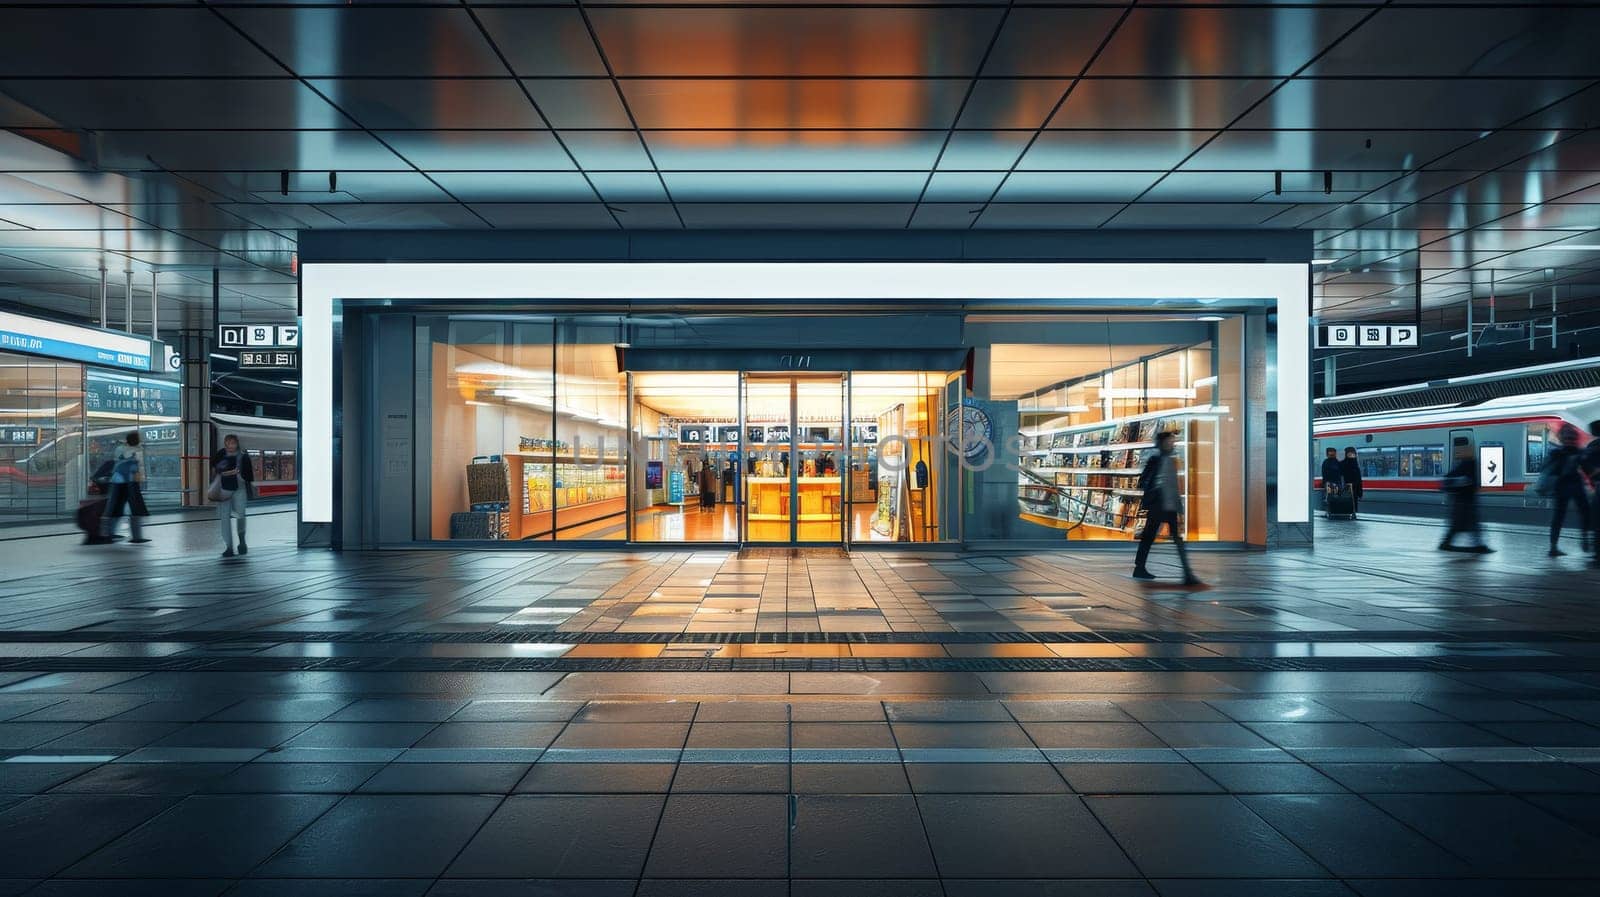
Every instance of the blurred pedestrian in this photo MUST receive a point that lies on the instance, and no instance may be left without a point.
(1590, 466)
(1163, 505)
(1461, 484)
(1350, 469)
(1562, 478)
(126, 491)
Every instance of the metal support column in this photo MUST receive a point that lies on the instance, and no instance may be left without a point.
(127, 323)
(1330, 376)
(155, 315)
(195, 409)
(104, 297)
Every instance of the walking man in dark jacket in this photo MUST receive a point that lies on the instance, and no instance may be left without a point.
(1350, 469)
(1590, 467)
(1564, 469)
(1162, 504)
(1461, 483)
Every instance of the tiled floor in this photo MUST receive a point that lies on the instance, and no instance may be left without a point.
(1358, 720)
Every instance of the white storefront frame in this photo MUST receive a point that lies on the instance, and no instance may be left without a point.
(324, 283)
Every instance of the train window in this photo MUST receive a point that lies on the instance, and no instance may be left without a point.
(1422, 461)
(1378, 461)
(1539, 440)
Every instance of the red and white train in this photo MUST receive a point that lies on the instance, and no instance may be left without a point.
(1405, 436)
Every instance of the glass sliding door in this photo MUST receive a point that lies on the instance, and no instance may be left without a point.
(796, 442)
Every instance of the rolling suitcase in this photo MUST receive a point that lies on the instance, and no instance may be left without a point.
(90, 512)
(1341, 505)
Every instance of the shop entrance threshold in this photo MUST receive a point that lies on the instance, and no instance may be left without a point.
(830, 552)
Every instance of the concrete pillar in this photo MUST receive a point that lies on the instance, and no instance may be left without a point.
(195, 409)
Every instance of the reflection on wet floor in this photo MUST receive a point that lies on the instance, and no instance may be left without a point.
(701, 650)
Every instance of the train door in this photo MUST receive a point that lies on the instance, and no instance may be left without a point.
(1461, 442)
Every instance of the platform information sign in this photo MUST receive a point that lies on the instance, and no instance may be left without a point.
(1491, 466)
(69, 342)
(1368, 336)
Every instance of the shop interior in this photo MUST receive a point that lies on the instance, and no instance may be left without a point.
(536, 439)
(1089, 416)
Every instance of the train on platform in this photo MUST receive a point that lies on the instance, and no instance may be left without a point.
(1405, 437)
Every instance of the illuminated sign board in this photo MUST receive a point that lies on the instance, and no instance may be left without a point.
(69, 342)
(1367, 336)
(1492, 466)
(269, 358)
(19, 435)
(258, 336)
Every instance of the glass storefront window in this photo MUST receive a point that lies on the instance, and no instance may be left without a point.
(42, 472)
(59, 421)
(1088, 416)
(493, 433)
(665, 429)
(591, 422)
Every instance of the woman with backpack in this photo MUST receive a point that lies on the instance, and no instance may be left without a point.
(230, 489)
(127, 475)
(1562, 479)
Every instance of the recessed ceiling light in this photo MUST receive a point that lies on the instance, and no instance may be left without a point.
(1577, 247)
(1323, 261)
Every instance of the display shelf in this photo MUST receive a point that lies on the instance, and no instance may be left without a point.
(590, 489)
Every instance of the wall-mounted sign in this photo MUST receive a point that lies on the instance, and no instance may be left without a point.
(693, 435)
(1367, 336)
(755, 434)
(1491, 466)
(258, 336)
(652, 474)
(867, 434)
(777, 434)
(69, 342)
(173, 361)
(105, 392)
(19, 435)
(269, 358)
(728, 434)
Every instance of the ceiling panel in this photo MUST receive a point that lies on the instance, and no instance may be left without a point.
(1406, 104)
(737, 186)
(1192, 41)
(548, 41)
(126, 42)
(1450, 134)
(479, 150)
(1011, 103)
(1039, 42)
(1169, 103)
(794, 151)
(588, 103)
(1526, 39)
(1111, 150)
(356, 41)
(784, 103)
(431, 104)
(818, 41)
(1076, 186)
(143, 104)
